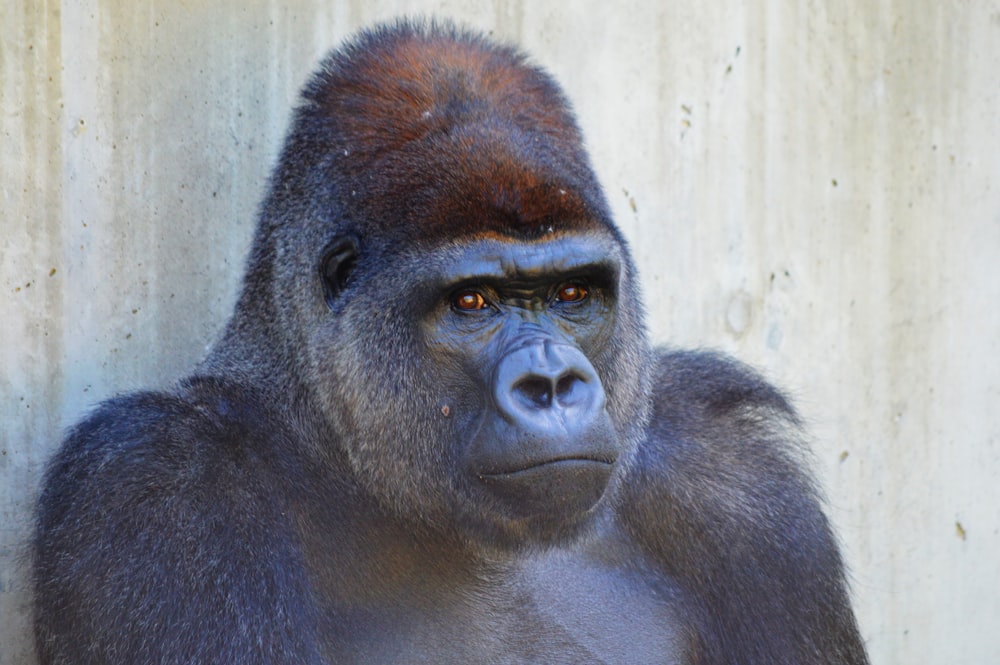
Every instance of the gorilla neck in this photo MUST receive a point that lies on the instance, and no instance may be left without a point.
(254, 351)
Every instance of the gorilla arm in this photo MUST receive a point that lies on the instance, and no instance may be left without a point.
(155, 542)
(716, 494)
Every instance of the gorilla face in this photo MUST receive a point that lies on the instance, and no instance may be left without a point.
(522, 320)
(457, 299)
(471, 381)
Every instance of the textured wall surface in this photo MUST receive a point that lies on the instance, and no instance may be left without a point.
(813, 186)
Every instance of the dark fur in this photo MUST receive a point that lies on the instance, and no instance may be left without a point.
(297, 500)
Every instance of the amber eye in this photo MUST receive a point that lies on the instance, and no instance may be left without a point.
(469, 301)
(571, 293)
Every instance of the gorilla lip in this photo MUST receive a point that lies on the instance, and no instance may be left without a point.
(558, 488)
(548, 464)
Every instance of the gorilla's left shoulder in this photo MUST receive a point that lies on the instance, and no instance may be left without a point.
(702, 388)
(722, 462)
(718, 496)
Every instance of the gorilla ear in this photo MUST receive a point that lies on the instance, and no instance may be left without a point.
(339, 260)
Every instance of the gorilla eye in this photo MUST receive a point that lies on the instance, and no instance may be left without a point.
(469, 301)
(571, 292)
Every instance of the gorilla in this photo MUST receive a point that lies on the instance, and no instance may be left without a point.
(434, 430)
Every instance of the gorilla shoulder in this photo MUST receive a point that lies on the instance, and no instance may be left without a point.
(723, 447)
(155, 496)
(167, 440)
(710, 385)
(718, 495)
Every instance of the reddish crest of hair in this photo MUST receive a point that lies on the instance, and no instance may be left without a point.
(431, 127)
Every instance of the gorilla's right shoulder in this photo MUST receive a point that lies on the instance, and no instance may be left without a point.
(190, 456)
(203, 425)
(162, 510)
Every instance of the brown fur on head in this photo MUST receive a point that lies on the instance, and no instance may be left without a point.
(415, 117)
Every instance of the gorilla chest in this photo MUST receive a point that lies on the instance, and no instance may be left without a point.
(578, 610)
(555, 609)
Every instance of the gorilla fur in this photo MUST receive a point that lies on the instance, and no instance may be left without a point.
(434, 429)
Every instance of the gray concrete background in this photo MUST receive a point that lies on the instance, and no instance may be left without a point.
(810, 185)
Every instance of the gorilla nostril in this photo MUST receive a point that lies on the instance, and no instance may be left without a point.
(545, 387)
(542, 392)
(565, 386)
(534, 391)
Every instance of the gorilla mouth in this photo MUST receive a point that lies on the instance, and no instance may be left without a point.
(557, 489)
(558, 463)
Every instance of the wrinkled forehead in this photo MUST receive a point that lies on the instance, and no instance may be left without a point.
(491, 257)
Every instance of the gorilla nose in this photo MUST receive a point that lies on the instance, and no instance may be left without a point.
(541, 390)
(548, 388)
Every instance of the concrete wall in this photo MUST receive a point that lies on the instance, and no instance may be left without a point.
(814, 186)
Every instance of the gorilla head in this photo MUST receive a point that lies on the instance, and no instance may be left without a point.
(451, 295)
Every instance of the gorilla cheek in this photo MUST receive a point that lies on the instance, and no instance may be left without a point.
(384, 420)
(623, 369)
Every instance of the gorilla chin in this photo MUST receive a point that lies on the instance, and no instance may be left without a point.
(558, 491)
